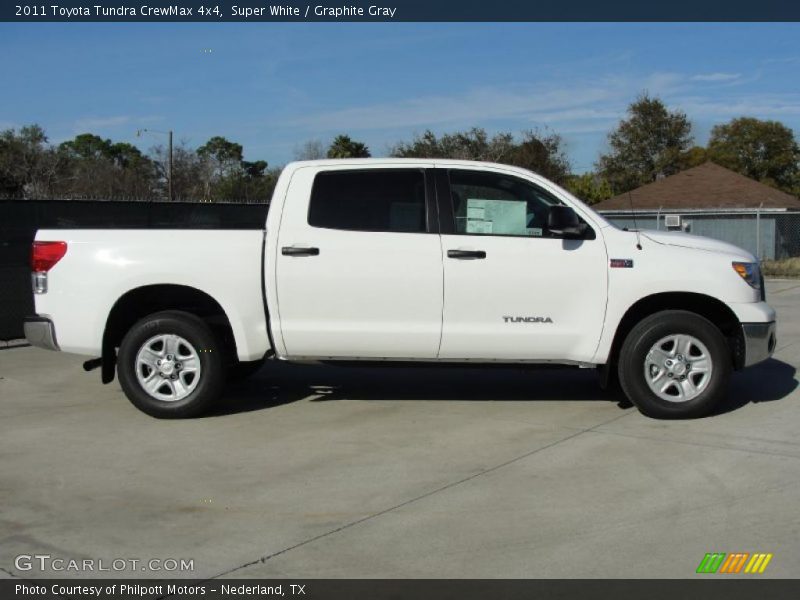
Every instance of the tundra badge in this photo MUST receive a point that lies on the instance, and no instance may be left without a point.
(527, 319)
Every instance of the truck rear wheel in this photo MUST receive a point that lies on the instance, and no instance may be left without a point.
(170, 365)
(675, 364)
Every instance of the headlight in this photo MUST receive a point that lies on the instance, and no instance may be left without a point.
(750, 272)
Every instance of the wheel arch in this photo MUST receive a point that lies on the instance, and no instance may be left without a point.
(139, 302)
(713, 309)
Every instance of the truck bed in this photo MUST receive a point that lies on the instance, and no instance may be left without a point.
(100, 266)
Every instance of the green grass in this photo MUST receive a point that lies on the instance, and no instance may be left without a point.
(787, 267)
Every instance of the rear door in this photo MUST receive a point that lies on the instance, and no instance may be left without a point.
(513, 290)
(359, 274)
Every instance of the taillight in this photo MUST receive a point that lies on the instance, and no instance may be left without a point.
(45, 255)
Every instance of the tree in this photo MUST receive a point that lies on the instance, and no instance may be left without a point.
(474, 144)
(589, 187)
(126, 156)
(311, 150)
(87, 146)
(693, 157)
(255, 169)
(542, 152)
(763, 150)
(225, 175)
(100, 167)
(29, 167)
(188, 171)
(344, 147)
(222, 159)
(645, 146)
(253, 183)
(90, 166)
(225, 156)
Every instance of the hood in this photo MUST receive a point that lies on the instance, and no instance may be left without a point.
(685, 240)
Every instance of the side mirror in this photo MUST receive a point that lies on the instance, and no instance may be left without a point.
(563, 221)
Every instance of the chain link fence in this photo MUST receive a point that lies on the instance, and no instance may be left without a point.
(770, 235)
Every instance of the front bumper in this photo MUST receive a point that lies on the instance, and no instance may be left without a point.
(39, 331)
(759, 342)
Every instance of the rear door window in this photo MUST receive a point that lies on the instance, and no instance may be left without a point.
(369, 200)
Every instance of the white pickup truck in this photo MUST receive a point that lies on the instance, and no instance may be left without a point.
(404, 260)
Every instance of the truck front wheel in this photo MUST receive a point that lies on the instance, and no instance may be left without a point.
(170, 365)
(675, 364)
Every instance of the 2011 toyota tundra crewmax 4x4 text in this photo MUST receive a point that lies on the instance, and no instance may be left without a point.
(410, 260)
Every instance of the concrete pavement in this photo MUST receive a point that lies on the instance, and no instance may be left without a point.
(314, 471)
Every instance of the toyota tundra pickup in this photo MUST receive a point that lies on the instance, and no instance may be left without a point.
(404, 260)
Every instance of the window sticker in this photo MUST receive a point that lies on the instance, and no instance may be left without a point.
(476, 212)
(503, 217)
(479, 226)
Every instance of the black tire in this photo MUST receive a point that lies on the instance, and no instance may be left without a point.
(212, 366)
(645, 336)
(243, 370)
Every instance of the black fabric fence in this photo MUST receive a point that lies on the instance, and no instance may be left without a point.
(20, 219)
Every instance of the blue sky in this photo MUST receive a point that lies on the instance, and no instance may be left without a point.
(271, 87)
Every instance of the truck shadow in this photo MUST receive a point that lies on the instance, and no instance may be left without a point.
(766, 382)
(283, 383)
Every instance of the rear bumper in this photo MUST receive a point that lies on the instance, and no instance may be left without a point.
(40, 332)
(759, 342)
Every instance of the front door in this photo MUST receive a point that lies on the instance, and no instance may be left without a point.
(513, 290)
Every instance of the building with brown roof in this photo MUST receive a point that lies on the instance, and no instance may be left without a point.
(716, 202)
(708, 186)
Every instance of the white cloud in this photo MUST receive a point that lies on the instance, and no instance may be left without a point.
(716, 77)
(755, 105)
(663, 83)
(95, 123)
(600, 127)
(583, 110)
(101, 122)
(782, 60)
(474, 106)
(583, 104)
(579, 114)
